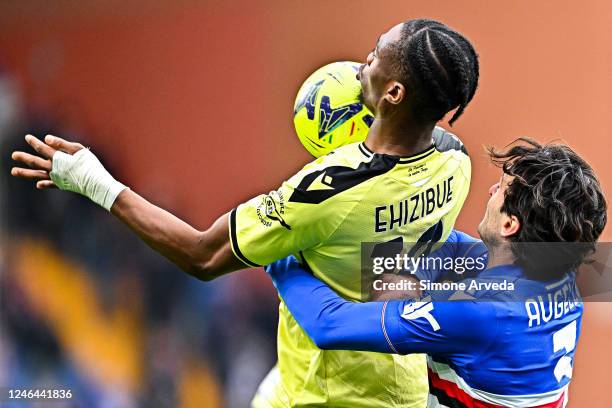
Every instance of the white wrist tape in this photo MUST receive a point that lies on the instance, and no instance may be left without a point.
(83, 173)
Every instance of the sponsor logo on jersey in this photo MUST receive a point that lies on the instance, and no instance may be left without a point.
(271, 209)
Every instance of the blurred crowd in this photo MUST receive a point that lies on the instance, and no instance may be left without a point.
(86, 306)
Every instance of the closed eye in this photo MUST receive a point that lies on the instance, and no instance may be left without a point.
(375, 51)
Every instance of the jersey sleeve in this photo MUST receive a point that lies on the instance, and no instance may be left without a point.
(439, 327)
(402, 327)
(329, 320)
(296, 216)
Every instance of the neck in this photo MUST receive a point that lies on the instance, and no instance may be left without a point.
(399, 138)
(500, 255)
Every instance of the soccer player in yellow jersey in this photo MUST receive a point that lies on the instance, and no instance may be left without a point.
(406, 182)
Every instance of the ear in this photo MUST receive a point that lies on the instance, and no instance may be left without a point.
(510, 226)
(396, 92)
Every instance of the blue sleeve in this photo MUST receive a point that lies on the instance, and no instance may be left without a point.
(457, 245)
(461, 237)
(409, 326)
(329, 320)
(441, 328)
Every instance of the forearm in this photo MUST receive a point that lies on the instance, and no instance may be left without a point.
(72, 167)
(195, 252)
(330, 321)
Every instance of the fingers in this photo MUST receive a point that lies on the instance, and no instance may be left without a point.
(41, 148)
(45, 184)
(41, 177)
(41, 166)
(61, 144)
(29, 173)
(32, 161)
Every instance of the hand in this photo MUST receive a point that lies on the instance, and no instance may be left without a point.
(68, 166)
(391, 278)
(41, 166)
(283, 266)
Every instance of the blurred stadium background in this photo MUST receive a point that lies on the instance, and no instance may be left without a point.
(190, 104)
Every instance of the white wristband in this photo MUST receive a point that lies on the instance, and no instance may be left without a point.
(83, 173)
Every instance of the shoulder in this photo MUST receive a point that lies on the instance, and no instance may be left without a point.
(341, 170)
(450, 148)
(445, 141)
(350, 155)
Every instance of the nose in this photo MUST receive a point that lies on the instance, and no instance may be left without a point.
(370, 58)
(493, 189)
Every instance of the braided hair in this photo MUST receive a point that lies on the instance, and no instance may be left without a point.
(439, 67)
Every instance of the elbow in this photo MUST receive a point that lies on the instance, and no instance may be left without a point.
(201, 262)
(324, 344)
(322, 340)
(203, 271)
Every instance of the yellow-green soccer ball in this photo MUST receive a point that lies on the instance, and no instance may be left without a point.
(327, 112)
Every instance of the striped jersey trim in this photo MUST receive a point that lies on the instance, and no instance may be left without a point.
(234, 241)
(448, 389)
(384, 328)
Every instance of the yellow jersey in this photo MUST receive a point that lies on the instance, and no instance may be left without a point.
(322, 215)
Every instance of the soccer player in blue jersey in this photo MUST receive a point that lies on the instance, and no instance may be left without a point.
(493, 348)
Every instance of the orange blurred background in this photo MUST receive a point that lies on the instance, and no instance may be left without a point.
(192, 101)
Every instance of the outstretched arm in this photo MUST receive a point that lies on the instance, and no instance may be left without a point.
(69, 166)
(203, 254)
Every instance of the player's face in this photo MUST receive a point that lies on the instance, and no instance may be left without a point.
(491, 225)
(374, 75)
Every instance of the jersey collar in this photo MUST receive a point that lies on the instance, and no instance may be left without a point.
(401, 159)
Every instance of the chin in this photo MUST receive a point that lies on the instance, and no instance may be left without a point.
(361, 97)
(367, 105)
(480, 229)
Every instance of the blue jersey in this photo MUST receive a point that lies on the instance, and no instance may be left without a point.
(493, 348)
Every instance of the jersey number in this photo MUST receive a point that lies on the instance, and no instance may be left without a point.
(427, 240)
(424, 244)
(564, 339)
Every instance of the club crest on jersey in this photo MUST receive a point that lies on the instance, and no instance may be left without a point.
(271, 209)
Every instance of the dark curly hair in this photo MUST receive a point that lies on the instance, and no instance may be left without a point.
(438, 65)
(559, 202)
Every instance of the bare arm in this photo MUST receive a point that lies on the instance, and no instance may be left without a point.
(202, 254)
